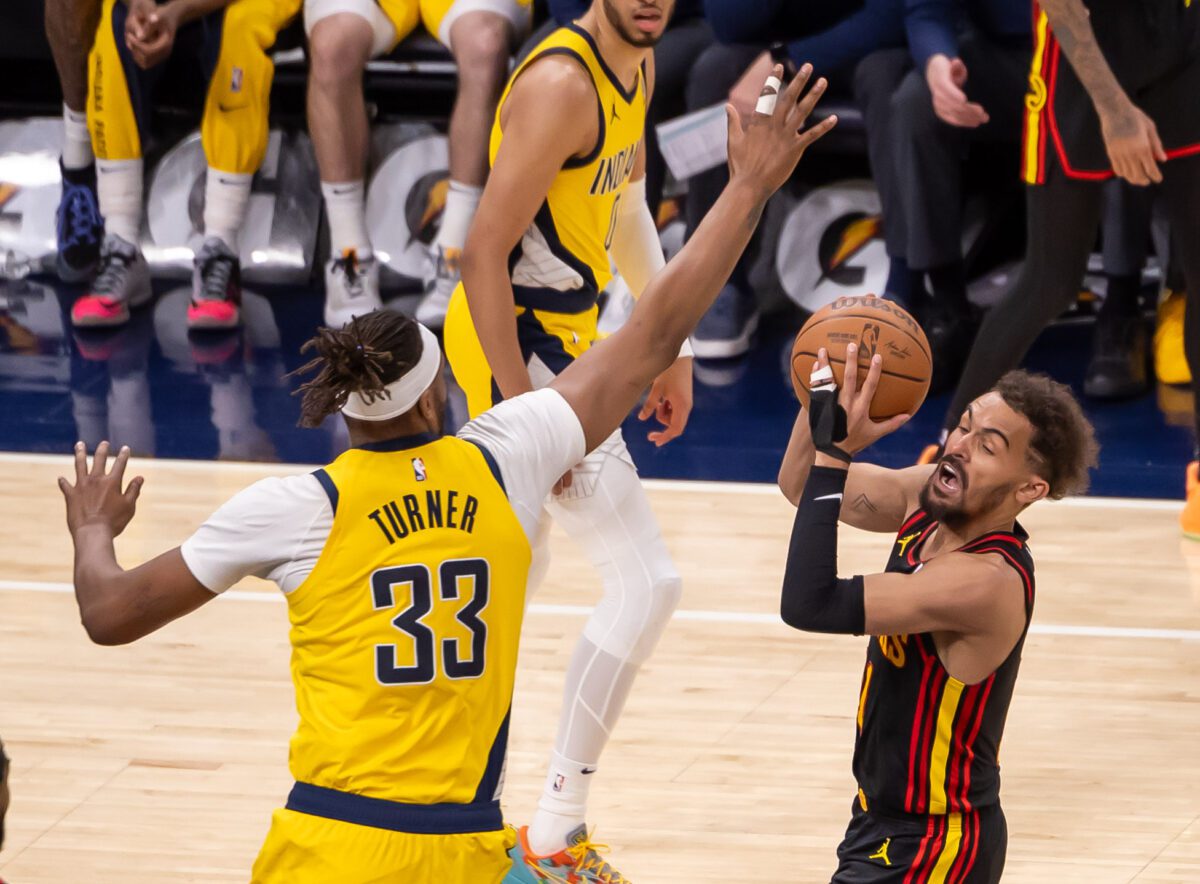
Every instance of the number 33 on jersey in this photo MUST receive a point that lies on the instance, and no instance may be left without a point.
(405, 634)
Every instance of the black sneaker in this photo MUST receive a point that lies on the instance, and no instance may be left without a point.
(1118, 366)
(725, 330)
(79, 229)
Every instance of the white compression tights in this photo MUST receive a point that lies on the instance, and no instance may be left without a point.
(606, 512)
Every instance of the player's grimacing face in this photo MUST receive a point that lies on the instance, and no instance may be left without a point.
(639, 22)
(984, 463)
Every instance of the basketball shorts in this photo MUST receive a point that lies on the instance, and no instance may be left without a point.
(393, 20)
(553, 329)
(909, 849)
(1153, 48)
(231, 47)
(305, 849)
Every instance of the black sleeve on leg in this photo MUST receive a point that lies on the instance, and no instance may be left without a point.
(813, 597)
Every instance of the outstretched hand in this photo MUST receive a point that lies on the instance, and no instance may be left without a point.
(97, 498)
(861, 430)
(765, 149)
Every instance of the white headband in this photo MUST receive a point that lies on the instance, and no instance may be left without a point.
(401, 394)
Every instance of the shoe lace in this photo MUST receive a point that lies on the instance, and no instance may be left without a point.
(113, 265)
(586, 856)
(214, 274)
(83, 215)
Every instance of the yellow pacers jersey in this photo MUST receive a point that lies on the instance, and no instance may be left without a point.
(561, 264)
(404, 637)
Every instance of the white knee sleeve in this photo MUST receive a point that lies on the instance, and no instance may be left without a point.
(606, 512)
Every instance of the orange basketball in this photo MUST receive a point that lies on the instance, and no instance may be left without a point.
(876, 326)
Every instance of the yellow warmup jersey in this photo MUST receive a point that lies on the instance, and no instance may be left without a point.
(404, 636)
(561, 264)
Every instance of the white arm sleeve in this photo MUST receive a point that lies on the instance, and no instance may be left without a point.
(534, 438)
(636, 247)
(275, 529)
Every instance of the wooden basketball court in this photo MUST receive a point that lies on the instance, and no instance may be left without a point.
(161, 762)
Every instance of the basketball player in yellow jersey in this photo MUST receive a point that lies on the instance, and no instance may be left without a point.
(405, 561)
(566, 190)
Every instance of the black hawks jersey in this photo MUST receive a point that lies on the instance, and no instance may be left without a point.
(926, 742)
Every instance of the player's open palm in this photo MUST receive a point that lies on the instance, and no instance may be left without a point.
(97, 497)
(765, 151)
(855, 396)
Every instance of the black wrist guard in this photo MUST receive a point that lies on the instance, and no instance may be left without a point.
(827, 420)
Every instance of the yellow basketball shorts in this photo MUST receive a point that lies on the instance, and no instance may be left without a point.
(305, 849)
(393, 20)
(550, 340)
(231, 46)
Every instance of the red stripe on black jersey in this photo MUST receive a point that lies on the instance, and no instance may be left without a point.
(940, 677)
(932, 830)
(965, 801)
(970, 827)
(926, 674)
(959, 748)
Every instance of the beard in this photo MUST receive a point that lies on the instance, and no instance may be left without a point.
(628, 34)
(956, 514)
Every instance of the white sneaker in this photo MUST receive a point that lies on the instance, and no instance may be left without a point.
(351, 288)
(431, 312)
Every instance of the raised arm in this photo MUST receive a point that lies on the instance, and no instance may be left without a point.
(1130, 137)
(548, 117)
(876, 498)
(604, 384)
(115, 605)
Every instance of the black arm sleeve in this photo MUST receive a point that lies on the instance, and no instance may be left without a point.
(813, 598)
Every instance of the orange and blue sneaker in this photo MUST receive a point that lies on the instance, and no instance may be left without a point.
(1189, 519)
(579, 863)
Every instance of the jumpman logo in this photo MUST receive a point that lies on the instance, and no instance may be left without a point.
(906, 540)
(882, 853)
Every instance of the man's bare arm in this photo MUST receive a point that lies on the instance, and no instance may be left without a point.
(603, 384)
(876, 498)
(548, 117)
(1130, 137)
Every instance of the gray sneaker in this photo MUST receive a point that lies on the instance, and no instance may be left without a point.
(431, 312)
(216, 288)
(122, 282)
(351, 288)
(725, 330)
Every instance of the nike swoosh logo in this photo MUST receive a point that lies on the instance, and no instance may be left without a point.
(828, 497)
(588, 770)
(337, 192)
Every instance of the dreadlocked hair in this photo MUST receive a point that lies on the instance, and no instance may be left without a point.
(363, 357)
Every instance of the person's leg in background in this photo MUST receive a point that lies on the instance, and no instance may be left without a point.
(122, 278)
(71, 28)
(929, 166)
(1117, 368)
(234, 135)
(482, 35)
(674, 60)
(1063, 216)
(875, 81)
(1181, 193)
(725, 329)
(342, 36)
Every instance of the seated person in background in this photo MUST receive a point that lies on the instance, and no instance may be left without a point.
(230, 40)
(830, 36)
(343, 35)
(70, 26)
(960, 81)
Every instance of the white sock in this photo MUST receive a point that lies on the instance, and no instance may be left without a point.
(226, 195)
(119, 188)
(77, 143)
(563, 804)
(461, 202)
(346, 208)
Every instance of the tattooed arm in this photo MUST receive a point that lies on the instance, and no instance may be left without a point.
(1130, 137)
(875, 499)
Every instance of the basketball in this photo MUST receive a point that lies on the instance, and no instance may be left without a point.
(878, 326)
